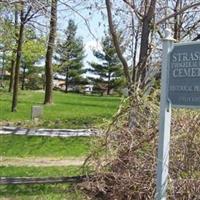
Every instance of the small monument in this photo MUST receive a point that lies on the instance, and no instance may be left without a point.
(37, 112)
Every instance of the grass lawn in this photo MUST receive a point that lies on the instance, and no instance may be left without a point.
(12, 171)
(26, 192)
(67, 111)
(25, 146)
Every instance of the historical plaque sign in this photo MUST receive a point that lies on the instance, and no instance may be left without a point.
(184, 75)
(180, 87)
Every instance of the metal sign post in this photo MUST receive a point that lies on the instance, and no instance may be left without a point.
(165, 123)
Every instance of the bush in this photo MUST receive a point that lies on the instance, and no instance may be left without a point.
(127, 169)
(34, 82)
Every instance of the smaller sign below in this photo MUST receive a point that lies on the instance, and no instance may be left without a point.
(184, 75)
(37, 112)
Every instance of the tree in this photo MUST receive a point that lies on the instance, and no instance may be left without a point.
(109, 71)
(28, 10)
(49, 54)
(33, 51)
(146, 30)
(12, 68)
(116, 43)
(7, 41)
(18, 57)
(146, 19)
(70, 54)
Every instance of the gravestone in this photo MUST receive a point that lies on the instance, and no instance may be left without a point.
(37, 112)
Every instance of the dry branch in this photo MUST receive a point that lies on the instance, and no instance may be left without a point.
(178, 13)
(116, 43)
(128, 168)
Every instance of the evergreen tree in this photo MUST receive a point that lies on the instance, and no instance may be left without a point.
(70, 54)
(109, 69)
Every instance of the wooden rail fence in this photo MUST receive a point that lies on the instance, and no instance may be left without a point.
(46, 180)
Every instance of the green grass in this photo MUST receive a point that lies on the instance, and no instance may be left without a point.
(25, 146)
(40, 192)
(67, 111)
(26, 192)
(12, 171)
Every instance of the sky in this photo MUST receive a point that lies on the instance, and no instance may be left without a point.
(91, 40)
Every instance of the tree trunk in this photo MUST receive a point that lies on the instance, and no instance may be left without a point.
(147, 25)
(2, 70)
(49, 54)
(67, 80)
(134, 50)
(108, 89)
(12, 71)
(117, 45)
(17, 67)
(177, 25)
(108, 86)
(23, 77)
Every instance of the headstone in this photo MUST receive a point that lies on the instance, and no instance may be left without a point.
(184, 75)
(37, 112)
(125, 92)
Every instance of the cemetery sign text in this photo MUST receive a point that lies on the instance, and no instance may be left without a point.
(184, 75)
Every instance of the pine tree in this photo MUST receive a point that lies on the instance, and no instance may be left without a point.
(70, 54)
(108, 70)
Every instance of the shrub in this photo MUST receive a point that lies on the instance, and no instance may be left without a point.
(34, 82)
(127, 168)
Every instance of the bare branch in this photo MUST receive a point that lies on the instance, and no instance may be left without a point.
(116, 43)
(178, 13)
(80, 15)
(133, 7)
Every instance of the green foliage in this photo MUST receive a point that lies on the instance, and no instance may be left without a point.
(35, 82)
(7, 42)
(12, 171)
(33, 51)
(109, 68)
(70, 54)
(7, 35)
(68, 111)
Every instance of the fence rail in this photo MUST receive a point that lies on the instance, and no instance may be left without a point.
(47, 132)
(46, 180)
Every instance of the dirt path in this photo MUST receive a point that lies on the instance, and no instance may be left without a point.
(40, 161)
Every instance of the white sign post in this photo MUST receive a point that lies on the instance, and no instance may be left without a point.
(165, 123)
